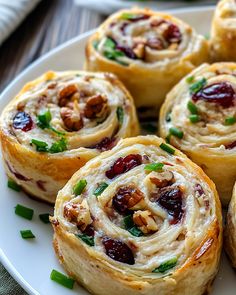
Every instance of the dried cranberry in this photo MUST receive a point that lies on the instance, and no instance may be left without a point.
(220, 93)
(138, 17)
(89, 230)
(123, 165)
(123, 27)
(41, 185)
(231, 145)
(23, 121)
(198, 188)
(125, 198)
(172, 34)
(105, 145)
(170, 198)
(127, 51)
(118, 250)
(17, 174)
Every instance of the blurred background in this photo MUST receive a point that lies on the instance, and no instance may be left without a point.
(30, 28)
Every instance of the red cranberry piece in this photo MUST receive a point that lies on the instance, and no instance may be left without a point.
(105, 145)
(172, 34)
(118, 250)
(41, 185)
(220, 93)
(125, 198)
(170, 198)
(198, 188)
(89, 230)
(127, 51)
(123, 165)
(17, 174)
(231, 145)
(23, 121)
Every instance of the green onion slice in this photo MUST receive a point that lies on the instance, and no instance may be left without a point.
(230, 121)
(61, 279)
(131, 227)
(13, 185)
(194, 118)
(154, 167)
(24, 212)
(27, 234)
(120, 115)
(176, 132)
(79, 187)
(59, 146)
(195, 87)
(192, 108)
(167, 148)
(190, 79)
(44, 218)
(100, 189)
(86, 239)
(41, 146)
(166, 265)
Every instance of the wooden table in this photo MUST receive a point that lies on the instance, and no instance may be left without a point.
(50, 24)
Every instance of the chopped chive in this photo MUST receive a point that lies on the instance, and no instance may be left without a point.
(44, 218)
(190, 79)
(41, 146)
(27, 234)
(168, 138)
(149, 127)
(56, 131)
(168, 117)
(110, 50)
(61, 279)
(131, 227)
(230, 121)
(13, 185)
(59, 146)
(176, 132)
(154, 167)
(24, 212)
(79, 187)
(192, 108)
(120, 115)
(43, 121)
(194, 118)
(129, 16)
(101, 187)
(86, 239)
(195, 87)
(167, 148)
(166, 265)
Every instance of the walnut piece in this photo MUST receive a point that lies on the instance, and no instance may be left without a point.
(72, 119)
(145, 221)
(96, 107)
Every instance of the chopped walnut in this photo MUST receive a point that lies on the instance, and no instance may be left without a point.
(145, 221)
(72, 119)
(139, 50)
(96, 107)
(78, 214)
(161, 179)
(66, 93)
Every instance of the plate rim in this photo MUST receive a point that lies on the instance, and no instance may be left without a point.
(3, 258)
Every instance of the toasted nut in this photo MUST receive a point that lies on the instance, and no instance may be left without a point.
(78, 214)
(96, 106)
(173, 46)
(162, 179)
(155, 43)
(66, 93)
(139, 50)
(145, 221)
(72, 119)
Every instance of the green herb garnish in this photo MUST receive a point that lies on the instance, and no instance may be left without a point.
(24, 212)
(61, 279)
(120, 115)
(131, 227)
(27, 234)
(230, 121)
(110, 50)
(99, 190)
(79, 187)
(195, 87)
(192, 108)
(44, 218)
(129, 16)
(41, 146)
(44, 120)
(86, 239)
(167, 148)
(194, 118)
(13, 185)
(59, 146)
(166, 265)
(176, 132)
(190, 79)
(154, 167)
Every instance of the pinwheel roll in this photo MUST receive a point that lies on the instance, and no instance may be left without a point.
(199, 117)
(223, 32)
(149, 51)
(60, 121)
(230, 229)
(139, 219)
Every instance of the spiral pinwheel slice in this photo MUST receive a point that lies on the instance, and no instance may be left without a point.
(149, 51)
(230, 229)
(60, 121)
(199, 117)
(139, 219)
(223, 32)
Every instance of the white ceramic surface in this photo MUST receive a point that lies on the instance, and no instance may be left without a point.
(30, 261)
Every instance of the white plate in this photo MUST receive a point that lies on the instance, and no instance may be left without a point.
(30, 262)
